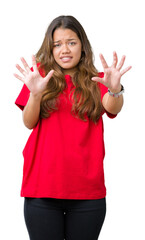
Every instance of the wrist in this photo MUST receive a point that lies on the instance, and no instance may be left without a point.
(36, 97)
(117, 92)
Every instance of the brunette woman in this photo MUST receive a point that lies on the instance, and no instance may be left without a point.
(63, 99)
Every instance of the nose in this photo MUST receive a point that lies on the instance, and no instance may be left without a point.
(65, 49)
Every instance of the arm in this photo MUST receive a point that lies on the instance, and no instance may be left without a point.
(31, 112)
(36, 85)
(111, 104)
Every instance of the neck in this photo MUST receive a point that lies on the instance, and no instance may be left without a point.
(69, 71)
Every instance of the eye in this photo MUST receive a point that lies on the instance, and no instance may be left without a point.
(57, 45)
(72, 43)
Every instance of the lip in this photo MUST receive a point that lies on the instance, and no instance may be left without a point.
(66, 59)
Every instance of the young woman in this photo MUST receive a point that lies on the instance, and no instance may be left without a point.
(63, 99)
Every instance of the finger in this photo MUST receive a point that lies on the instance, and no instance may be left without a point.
(34, 64)
(121, 62)
(20, 69)
(115, 59)
(104, 63)
(49, 75)
(97, 79)
(20, 78)
(125, 70)
(25, 64)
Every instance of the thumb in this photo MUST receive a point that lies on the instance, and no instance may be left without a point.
(49, 75)
(97, 79)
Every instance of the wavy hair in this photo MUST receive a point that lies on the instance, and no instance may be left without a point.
(86, 93)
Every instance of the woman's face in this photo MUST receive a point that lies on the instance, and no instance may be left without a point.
(67, 49)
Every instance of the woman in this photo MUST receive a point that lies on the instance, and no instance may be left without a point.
(63, 99)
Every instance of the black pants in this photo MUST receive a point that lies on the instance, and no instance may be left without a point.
(59, 219)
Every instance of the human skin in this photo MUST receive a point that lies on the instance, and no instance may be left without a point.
(67, 53)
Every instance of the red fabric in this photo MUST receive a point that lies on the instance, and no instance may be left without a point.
(63, 157)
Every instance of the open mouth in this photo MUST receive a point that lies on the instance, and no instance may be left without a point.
(66, 59)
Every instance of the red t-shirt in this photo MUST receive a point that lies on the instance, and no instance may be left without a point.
(63, 157)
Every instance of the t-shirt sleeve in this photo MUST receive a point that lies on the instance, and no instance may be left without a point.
(104, 90)
(23, 97)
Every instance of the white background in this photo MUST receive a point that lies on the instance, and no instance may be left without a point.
(110, 25)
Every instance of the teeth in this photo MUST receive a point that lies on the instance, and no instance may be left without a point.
(65, 58)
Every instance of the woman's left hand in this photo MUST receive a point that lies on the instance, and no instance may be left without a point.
(113, 74)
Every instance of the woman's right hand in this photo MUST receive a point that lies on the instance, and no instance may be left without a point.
(33, 80)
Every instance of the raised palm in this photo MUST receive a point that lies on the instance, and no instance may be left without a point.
(112, 74)
(33, 80)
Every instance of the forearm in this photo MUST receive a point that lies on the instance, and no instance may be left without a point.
(112, 104)
(31, 112)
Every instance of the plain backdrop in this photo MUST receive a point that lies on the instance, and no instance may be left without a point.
(110, 25)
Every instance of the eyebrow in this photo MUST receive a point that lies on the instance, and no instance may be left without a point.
(70, 39)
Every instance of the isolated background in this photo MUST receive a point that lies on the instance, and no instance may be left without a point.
(110, 25)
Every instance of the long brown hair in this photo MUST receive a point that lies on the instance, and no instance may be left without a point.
(86, 94)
